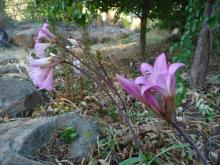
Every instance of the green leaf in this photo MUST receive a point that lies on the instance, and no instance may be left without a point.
(130, 161)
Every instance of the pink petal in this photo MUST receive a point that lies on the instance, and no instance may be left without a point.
(161, 81)
(146, 69)
(141, 80)
(153, 87)
(40, 62)
(44, 33)
(40, 49)
(148, 83)
(131, 88)
(48, 82)
(38, 75)
(171, 78)
(167, 83)
(145, 88)
(171, 82)
(160, 65)
(174, 67)
(46, 25)
(152, 102)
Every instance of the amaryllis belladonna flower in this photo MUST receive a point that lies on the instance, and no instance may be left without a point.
(44, 40)
(158, 79)
(41, 71)
(45, 34)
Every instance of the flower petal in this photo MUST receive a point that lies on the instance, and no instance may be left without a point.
(160, 65)
(131, 88)
(141, 80)
(152, 102)
(174, 67)
(38, 75)
(48, 82)
(146, 69)
(145, 88)
(171, 82)
(40, 62)
(44, 33)
(40, 49)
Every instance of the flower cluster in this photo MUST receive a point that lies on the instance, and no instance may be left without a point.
(41, 69)
(158, 79)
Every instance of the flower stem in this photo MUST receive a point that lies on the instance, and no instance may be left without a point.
(190, 141)
(121, 112)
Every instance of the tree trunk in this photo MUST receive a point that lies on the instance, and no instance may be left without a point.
(143, 35)
(203, 52)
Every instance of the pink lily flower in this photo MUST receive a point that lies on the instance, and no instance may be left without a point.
(159, 78)
(41, 71)
(45, 34)
(135, 90)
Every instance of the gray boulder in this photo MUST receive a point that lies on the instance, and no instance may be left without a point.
(17, 96)
(24, 36)
(19, 140)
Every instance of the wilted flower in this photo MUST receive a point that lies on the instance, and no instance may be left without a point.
(159, 79)
(73, 42)
(41, 71)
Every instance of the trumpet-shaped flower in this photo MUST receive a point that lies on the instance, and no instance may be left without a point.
(45, 34)
(159, 78)
(135, 90)
(41, 71)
